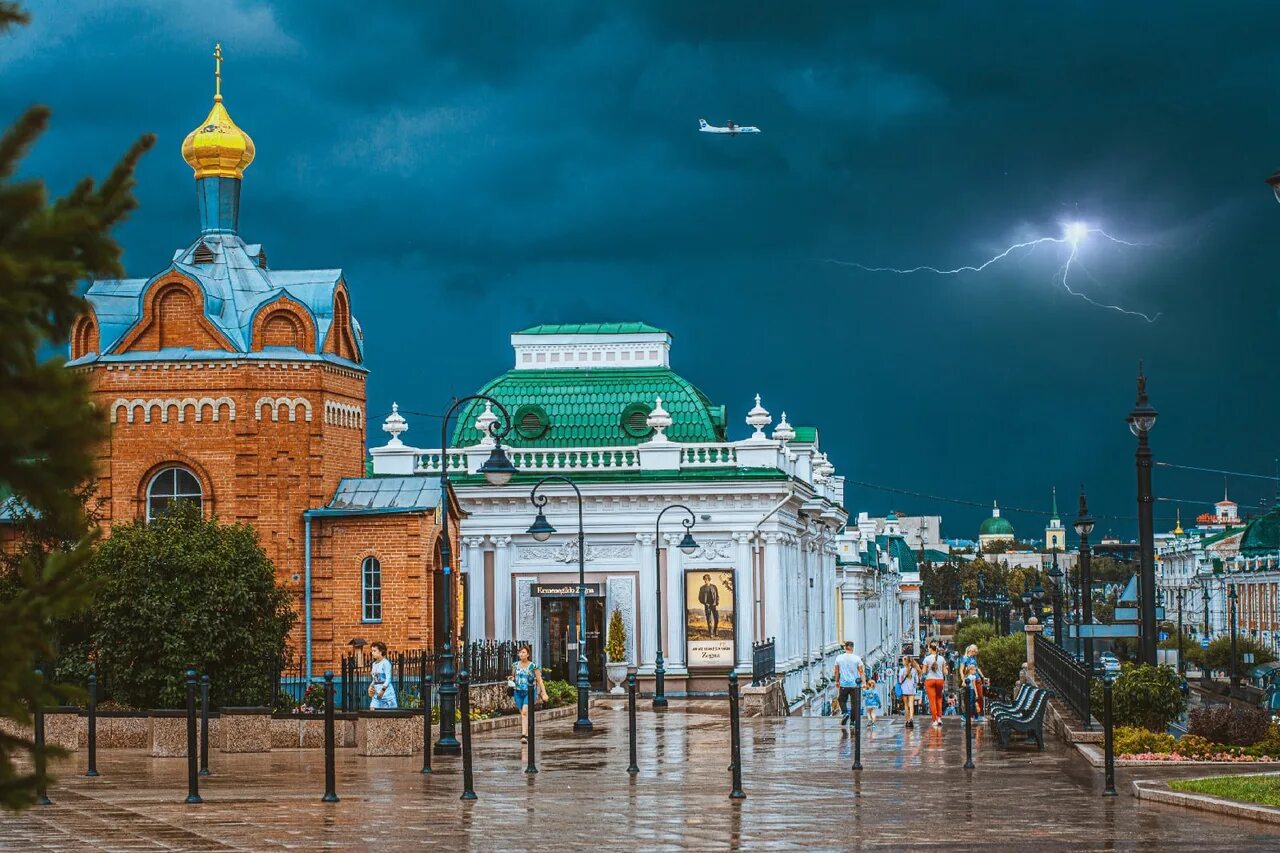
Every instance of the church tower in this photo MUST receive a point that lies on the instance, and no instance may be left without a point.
(1055, 535)
(227, 383)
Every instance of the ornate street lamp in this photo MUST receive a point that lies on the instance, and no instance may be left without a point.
(1141, 419)
(541, 531)
(1182, 669)
(1084, 526)
(1274, 183)
(497, 471)
(1055, 576)
(1235, 664)
(687, 546)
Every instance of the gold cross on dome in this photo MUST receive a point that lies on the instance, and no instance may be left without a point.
(217, 71)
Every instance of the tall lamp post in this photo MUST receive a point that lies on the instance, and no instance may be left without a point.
(1084, 526)
(1141, 419)
(687, 546)
(1055, 575)
(1235, 664)
(1204, 593)
(497, 471)
(541, 531)
(1182, 669)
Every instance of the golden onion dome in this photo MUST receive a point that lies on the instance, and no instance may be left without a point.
(218, 148)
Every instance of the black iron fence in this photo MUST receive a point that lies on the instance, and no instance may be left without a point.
(1068, 676)
(488, 662)
(763, 662)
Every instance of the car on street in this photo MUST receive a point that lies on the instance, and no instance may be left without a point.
(1109, 663)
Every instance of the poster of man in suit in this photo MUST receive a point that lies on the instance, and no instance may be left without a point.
(709, 623)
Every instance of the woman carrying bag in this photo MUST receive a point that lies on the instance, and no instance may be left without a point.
(526, 677)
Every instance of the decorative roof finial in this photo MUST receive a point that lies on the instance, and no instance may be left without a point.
(759, 418)
(217, 72)
(783, 432)
(1177, 528)
(484, 424)
(658, 421)
(394, 425)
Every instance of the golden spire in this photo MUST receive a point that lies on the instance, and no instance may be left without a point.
(1177, 529)
(218, 148)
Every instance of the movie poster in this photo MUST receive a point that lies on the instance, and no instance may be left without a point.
(710, 618)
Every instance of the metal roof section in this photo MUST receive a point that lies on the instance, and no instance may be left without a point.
(382, 495)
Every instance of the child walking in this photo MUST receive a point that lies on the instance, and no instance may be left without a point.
(871, 701)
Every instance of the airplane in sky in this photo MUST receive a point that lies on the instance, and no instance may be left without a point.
(732, 128)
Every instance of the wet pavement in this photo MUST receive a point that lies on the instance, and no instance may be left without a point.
(801, 793)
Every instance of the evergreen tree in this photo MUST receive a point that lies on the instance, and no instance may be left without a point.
(48, 429)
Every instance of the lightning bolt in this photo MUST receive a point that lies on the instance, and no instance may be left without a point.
(1073, 234)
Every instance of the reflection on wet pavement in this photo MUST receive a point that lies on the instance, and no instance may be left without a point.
(801, 793)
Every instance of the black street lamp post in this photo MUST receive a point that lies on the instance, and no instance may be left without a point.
(1055, 575)
(1204, 593)
(1084, 526)
(497, 470)
(541, 530)
(1182, 669)
(1235, 664)
(1141, 420)
(687, 546)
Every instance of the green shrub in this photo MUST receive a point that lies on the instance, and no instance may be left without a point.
(1219, 653)
(1001, 659)
(616, 646)
(1133, 740)
(1230, 724)
(560, 693)
(973, 631)
(1146, 696)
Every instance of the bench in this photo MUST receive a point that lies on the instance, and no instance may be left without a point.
(1018, 704)
(1029, 720)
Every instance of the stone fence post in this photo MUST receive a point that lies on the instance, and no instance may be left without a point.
(1032, 628)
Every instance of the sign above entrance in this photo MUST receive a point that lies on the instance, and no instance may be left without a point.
(562, 590)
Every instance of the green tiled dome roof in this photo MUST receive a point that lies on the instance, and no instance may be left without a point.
(1262, 536)
(996, 527)
(585, 408)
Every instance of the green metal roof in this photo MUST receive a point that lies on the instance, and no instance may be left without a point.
(1262, 536)
(996, 526)
(599, 476)
(592, 329)
(584, 408)
(806, 435)
(1220, 535)
(896, 546)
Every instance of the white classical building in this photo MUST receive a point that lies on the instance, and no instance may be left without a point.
(879, 589)
(600, 404)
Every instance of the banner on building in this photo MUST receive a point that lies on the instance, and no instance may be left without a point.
(710, 618)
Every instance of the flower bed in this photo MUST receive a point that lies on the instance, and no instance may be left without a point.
(1137, 744)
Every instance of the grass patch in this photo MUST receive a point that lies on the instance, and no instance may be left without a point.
(1264, 790)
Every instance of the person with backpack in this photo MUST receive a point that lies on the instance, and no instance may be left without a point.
(908, 680)
(935, 680)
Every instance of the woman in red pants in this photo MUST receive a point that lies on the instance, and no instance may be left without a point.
(935, 679)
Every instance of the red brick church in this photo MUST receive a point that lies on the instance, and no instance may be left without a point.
(242, 388)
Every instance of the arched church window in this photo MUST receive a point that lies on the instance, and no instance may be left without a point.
(171, 487)
(371, 586)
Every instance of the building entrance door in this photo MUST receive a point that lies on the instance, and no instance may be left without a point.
(560, 640)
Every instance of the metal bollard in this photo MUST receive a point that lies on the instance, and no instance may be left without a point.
(42, 780)
(533, 728)
(857, 727)
(330, 772)
(93, 725)
(632, 768)
(464, 699)
(204, 725)
(1108, 744)
(426, 717)
(193, 782)
(968, 723)
(735, 739)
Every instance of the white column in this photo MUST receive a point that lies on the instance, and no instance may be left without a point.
(744, 593)
(646, 610)
(504, 557)
(774, 602)
(674, 605)
(473, 558)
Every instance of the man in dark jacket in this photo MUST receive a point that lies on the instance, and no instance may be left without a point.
(709, 598)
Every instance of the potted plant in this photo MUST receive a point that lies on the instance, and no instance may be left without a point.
(616, 651)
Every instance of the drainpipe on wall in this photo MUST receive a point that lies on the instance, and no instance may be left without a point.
(306, 518)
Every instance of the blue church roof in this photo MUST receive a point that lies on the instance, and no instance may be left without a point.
(235, 289)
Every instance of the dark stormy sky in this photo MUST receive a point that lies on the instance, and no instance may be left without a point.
(478, 167)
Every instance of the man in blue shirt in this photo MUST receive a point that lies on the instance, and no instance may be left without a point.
(849, 676)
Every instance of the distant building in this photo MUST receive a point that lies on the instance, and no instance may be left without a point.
(995, 529)
(1055, 535)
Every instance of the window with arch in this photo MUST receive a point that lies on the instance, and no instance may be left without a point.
(170, 488)
(371, 585)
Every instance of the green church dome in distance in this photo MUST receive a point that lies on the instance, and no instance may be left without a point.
(995, 525)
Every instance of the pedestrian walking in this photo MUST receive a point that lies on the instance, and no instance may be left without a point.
(849, 674)
(935, 679)
(871, 701)
(969, 668)
(526, 678)
(382, 693)
(908, 678)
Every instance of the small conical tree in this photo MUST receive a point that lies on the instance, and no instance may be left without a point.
(616, 646)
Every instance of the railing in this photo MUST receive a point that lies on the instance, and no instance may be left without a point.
(429, 462)
(487, 662)
(1069, 677)
(708, 455)
(763, 662)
